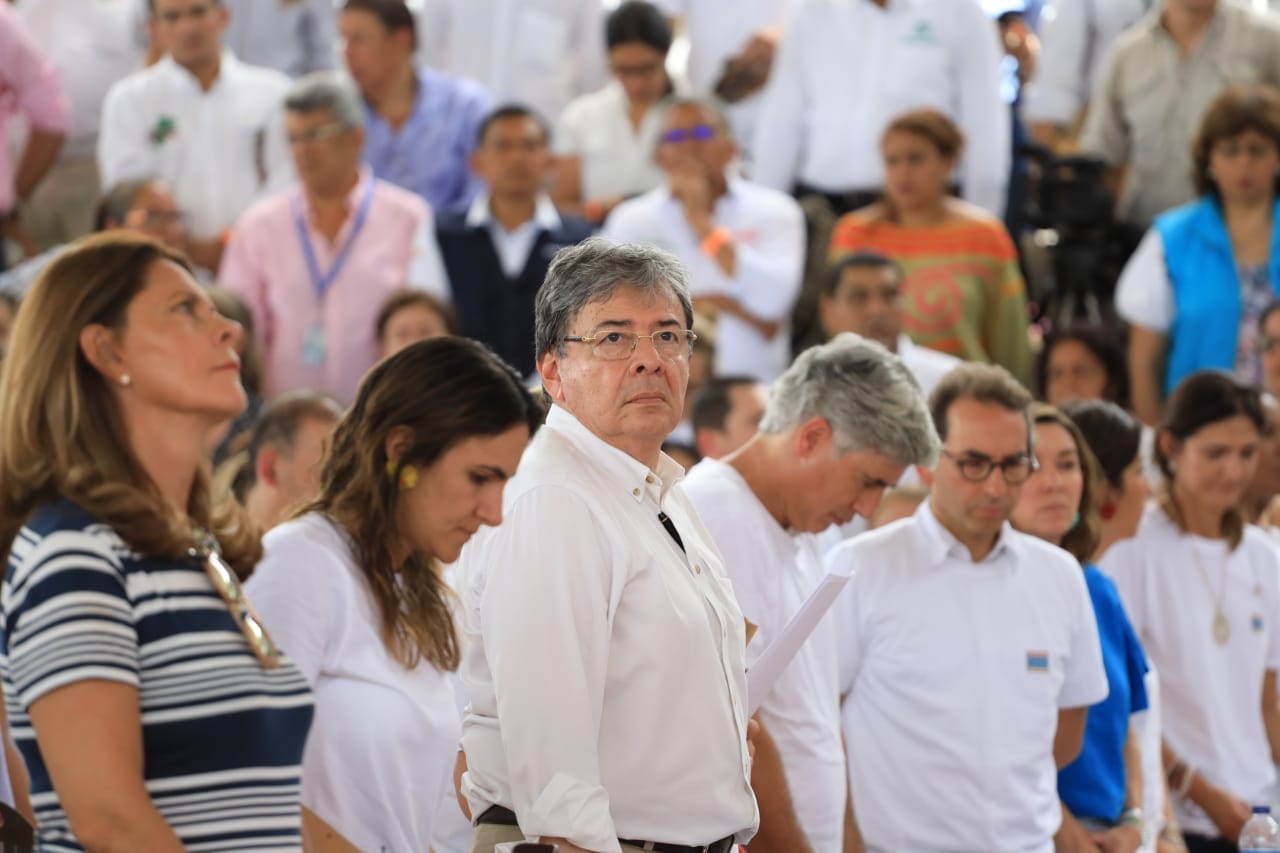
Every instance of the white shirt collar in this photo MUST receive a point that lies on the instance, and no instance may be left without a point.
(480, 215)
(227, 68)
(941, 544)
(630, 473)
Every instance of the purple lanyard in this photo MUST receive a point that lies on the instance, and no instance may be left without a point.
(322, 283)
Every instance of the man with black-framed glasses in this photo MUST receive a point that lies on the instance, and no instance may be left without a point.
(969, 653)
(604, 651)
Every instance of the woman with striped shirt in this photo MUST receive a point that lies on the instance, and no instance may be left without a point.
(153, 710)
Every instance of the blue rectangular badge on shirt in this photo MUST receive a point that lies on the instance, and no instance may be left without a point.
(1037, 661)
(1256, 623)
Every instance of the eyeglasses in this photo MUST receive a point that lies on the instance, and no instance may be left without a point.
(228, 587)
(318, 133)
(976, 468)
(615, 346)
(700, 132)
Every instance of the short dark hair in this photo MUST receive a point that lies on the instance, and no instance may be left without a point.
(510, 111)
(277, 426)
(865, 260)
(638, 21)
(1202, 399)
(712, 401)
(1114, 436)
(151, 6)
(1237, 109)
(1105, 347)
(117, 201)
(983, 383)
(393, 14)
(402, 299)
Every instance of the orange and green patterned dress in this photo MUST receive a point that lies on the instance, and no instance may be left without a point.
(963, 292)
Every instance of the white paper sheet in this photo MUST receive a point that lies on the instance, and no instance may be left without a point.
(768, 668)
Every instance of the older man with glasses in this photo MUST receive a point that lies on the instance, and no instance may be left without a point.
(969, 654)
(604, 651)
(314, 263)
(743, 243)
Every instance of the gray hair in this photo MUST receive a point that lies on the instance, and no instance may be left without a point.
(868, 397)
(590, 272)
(327, 90)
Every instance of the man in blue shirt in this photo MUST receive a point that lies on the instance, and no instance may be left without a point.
(421, 125)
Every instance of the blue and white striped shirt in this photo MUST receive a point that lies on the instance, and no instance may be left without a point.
(222, 736)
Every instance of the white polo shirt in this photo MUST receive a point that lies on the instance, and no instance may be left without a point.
(773, 572)
(954, 673)
(614, 157)
(219, 150)
(846, 68)
(768, 234)
(93, 43)
(1211, 694)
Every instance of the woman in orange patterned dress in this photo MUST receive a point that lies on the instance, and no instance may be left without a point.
(963, 291)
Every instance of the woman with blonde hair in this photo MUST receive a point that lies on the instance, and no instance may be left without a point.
(352, 586)
(963, 290)
(153, 710)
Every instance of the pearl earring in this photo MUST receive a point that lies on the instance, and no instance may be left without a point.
(126, 380)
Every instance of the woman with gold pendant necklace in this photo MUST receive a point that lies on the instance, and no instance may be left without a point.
(1202, 589)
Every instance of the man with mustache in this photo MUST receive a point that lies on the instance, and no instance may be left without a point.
(842, 424)
(969, 653)
(862, 294)
(604, 650)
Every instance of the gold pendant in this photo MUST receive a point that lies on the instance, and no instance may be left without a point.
(1221, 628)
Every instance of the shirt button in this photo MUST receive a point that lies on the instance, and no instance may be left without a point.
(635, 492)
(649, 479)
(697, 568)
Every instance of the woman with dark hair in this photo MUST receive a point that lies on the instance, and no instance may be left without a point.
(152, 708)
(409, 316)
(1203, 591)
(352, 585)
(1082, 362)
(1060, 503)
(606, 141)
(1194, 290)
(963, 292)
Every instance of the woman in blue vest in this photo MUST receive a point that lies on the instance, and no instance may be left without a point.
(1197, 285)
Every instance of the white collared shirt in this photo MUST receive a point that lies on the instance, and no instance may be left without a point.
(1211, 695)
(218, 150)
(513, 247)
(93, 43)
(543, 53)
(606, 666)
(292, 36)
(955, 672)
(379, 756)
(773, 572)
(718, 30)
(846, 68)
(928, 366)
(767, 229)
(1074, 39)
(615, 158)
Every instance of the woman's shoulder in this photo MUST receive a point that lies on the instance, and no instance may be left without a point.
(60, 526)
(311, 544)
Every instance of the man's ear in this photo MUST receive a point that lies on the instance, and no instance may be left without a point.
(549, 370)
(926, 476)
(102, 350)
(811, 435)
(265, 471)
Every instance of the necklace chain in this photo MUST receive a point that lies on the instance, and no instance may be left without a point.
(1221, 626)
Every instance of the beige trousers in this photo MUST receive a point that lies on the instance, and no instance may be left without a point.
(62, 206)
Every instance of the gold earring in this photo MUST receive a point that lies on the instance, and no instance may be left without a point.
(408, 478)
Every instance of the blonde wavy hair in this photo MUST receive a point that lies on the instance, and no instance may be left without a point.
(61, 431)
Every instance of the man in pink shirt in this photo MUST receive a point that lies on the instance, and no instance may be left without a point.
(315, 262)
(29, 86)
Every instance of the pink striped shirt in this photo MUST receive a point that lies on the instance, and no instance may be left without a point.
(31, 86)
(328, 344)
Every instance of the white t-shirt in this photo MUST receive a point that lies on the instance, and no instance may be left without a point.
(1211, 694)
(379, 758)
(615, 158)
(1144, 293)
(773, 572)
(954, 673)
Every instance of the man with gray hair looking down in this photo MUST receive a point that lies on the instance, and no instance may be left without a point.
(843, 423)
(314, 263)
(604, 652)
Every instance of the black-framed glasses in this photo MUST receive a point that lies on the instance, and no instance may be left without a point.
(228, 586)
(699, 132)
(670, 344)
(977, 467)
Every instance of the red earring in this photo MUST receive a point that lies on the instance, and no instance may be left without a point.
(1107, 511)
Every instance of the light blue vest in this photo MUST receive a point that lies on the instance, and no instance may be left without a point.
(1206, 287)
